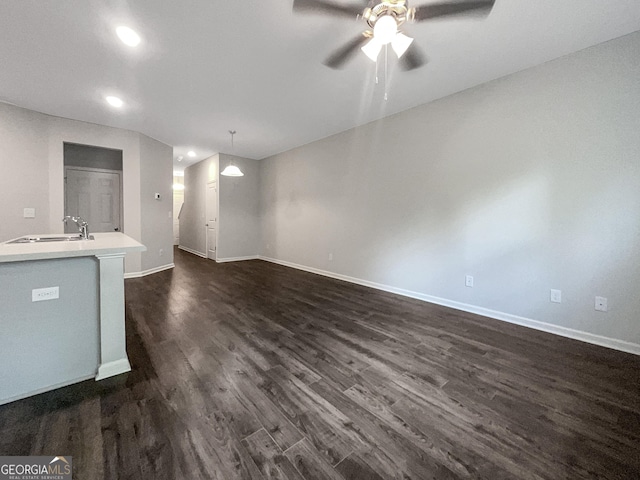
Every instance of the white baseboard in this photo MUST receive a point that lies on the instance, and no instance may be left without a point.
(149, 272)
(195, 252)
(587, 337)
(112, 369)
(236, 259)
(45, 389)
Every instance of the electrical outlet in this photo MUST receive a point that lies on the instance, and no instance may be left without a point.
(29, 213)
(468, 281)
(601, 304)
(330, 256)
(49, 293)
(161, 252)
(556, 296)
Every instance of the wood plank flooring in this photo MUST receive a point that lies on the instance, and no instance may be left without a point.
(251, 370)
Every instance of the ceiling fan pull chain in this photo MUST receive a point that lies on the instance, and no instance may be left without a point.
(386, 68)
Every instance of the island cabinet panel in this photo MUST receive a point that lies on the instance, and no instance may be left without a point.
(52, 341)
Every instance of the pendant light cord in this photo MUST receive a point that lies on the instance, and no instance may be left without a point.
(232, 132)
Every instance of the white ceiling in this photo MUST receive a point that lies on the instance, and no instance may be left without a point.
(207, 66)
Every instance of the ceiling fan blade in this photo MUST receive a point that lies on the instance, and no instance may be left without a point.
(446, 9)
(338, 58)
(413, 58)
(322, 6)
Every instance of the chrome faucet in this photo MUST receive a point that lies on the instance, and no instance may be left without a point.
(83, 226)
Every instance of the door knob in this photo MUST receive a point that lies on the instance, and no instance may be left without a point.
(117, 229)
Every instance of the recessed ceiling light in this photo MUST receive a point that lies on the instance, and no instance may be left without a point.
(128, 36)
(191, 153)
(114, 101)
(180, 157)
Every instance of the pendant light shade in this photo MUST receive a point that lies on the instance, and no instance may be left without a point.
(401, 43)
(231, 170)
(372, 49)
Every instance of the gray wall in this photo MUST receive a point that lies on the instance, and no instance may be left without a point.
(192, 220)
(239, 223)
(528, 183)
(25, 176)
(156, 172)
(48, 343)
(32, 162)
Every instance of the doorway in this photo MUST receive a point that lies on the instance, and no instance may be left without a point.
(93, 187)
(178, 202)
(212, 218)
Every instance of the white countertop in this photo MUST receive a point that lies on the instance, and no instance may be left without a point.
(103, 244)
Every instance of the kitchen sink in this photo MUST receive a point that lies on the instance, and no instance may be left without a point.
(62, 238)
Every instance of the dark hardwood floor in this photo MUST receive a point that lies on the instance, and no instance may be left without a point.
(251, 370)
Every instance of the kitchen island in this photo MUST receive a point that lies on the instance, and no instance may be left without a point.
(62, 316)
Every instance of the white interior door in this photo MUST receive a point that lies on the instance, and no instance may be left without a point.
(212, 219)
(95, 196)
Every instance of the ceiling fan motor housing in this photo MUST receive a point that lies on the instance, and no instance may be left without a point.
(394, 8)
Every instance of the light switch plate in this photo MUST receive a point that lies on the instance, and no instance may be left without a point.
(29, 213)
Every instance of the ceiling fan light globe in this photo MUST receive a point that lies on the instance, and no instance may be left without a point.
(128, 36)
(385, 29)
(401, 43)
(372, 49)
(231, 171)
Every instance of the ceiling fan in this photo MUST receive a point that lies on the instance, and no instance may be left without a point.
(384, 20)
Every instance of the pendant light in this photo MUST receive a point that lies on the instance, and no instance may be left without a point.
(231, 170)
